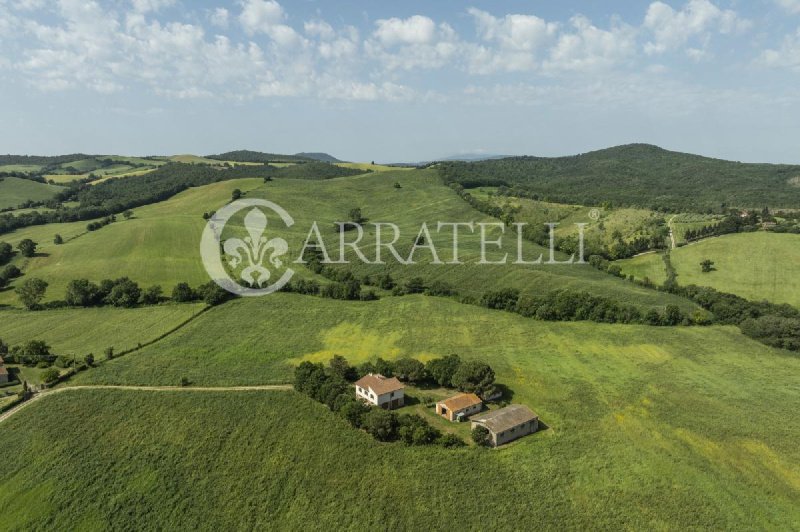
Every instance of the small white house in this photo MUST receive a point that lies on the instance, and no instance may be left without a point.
(380, 391)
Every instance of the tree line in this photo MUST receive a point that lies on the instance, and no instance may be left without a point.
(121, 292)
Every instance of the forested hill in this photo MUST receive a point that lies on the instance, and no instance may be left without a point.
(319, 156)
(248, 156)
(637, 175)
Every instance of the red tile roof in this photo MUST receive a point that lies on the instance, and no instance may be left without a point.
(461, 401)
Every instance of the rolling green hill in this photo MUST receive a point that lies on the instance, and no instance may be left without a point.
(640, 421)
(638, 175)
(757, 266)
(160, 245)
(14, 191)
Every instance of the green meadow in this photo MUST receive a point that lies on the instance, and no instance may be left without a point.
(757, 266)
(14, 190)
(644, 428)
(84, 331)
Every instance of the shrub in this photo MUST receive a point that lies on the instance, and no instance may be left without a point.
(450, 441)
(50, 375)
(482, 436)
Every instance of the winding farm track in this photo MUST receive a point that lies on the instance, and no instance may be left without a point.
(47, 393)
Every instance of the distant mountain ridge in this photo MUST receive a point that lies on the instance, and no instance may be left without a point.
(637, 175)
(250, 156)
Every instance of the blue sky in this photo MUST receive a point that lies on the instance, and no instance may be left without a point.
(400, 81)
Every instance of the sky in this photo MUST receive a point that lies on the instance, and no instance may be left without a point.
(400, 81)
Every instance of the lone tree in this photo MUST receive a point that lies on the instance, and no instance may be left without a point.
(707, 265)
(6, 252)
(27, 247)
(236, 194)
(57, 240)
(128, 214)
(31, 292)
(482, 436)
(356, 216)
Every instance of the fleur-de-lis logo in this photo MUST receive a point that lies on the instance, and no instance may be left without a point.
(255, 247)
(255, 253)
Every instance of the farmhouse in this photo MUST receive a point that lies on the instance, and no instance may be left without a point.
(508, 424)
(380, 391)
(459, 407)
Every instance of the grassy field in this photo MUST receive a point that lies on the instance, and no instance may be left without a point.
(26, 168)
(160, 245)
(644, 424)
(648, 265)
(14, 191)
(84, 331)
(755, 266)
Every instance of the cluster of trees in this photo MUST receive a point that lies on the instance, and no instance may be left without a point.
(345, 285)
(36, 353)
(122, 292)
(26, 247)
(94, 226)
(8, 273)
(789, 222)
(735, 222)
(769, 323)
(565, 305)
(331, 386)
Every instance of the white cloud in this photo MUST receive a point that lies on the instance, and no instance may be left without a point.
(219, 17)
(146, 6)
(261, 15)
(672, 30)
(787, 56)
(267, 17)
(791, 6)
(413, 30)
(511, 43)
(415, 42)
(591, 48)
(514, 32)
